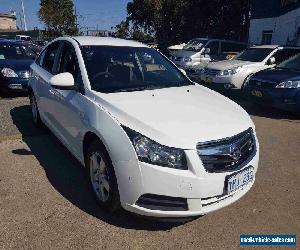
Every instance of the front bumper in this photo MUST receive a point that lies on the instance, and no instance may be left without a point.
(285, 99)
(204, 192)
(222, 82)
(14, 84)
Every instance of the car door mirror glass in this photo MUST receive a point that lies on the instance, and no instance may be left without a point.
(63, 81)
(271, 61)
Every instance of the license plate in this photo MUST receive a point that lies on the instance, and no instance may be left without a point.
(208, 79)
(15, 86)
(256, 93)
(240, 180)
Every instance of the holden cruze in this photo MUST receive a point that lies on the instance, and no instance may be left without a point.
(152, 141)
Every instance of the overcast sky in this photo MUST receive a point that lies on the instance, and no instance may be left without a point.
(95, 13)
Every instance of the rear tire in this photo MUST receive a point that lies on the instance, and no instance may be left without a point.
(102, 178)
(35, 111)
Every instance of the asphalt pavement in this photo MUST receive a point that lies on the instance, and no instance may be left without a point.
(45, 202)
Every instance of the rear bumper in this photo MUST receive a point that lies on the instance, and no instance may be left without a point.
(14, 85)
(285, 99)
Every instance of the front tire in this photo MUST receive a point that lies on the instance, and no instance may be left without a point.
(102, 178)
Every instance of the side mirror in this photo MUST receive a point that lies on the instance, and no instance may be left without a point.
(63, 81)
(271, 61)
(207, 51)
(183, 71)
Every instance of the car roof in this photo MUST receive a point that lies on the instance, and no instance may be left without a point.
(106, 41)
(217, 39)
(11, 42)
(265, 46)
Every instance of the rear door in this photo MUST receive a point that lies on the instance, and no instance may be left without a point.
(44, 72)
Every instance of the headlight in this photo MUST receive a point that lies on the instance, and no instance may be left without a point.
(289, 85)
(229, 72)
(187, 59)
(7, 72)
(152, 152)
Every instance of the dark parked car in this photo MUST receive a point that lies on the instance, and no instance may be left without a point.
(15, 61)
(279, 86)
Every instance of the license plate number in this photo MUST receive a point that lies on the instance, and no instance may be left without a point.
(256, 93)
(240, 180)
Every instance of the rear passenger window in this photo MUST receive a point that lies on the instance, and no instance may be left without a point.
(49, 57)
(284, 54)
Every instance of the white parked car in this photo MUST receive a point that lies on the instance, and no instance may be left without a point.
(234, 73)
(152, 141)
(200, 51)
(174, 48)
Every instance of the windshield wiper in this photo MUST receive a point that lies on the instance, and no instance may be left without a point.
(150, 87)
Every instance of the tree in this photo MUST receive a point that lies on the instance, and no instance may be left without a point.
(176, 21)
(122, 30)
(59, 17)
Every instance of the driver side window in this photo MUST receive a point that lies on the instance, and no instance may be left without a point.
(214, 48)
(69, 63)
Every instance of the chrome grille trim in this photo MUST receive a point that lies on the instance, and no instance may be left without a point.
(229, 154)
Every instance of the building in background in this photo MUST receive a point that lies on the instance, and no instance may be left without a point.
(8, 21)
(275, 22)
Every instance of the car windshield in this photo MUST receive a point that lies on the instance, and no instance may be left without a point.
(15, 52)
(195, 45)
(254, 54)
(291, 64)
(116, 69)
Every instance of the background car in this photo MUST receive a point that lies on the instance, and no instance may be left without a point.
(234, 73)
(15, 61)
(278, 87)
(201, 51)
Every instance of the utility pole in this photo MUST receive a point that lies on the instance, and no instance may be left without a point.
(23, 16)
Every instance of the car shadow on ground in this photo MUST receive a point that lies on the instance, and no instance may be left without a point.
(68, 177)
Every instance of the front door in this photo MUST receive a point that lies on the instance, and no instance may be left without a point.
(69, 106)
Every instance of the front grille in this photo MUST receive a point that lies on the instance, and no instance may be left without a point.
(162, 203)
(262, 84)
(211, 72)
(228, 154)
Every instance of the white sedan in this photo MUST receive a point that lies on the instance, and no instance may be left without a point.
(152, 141)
